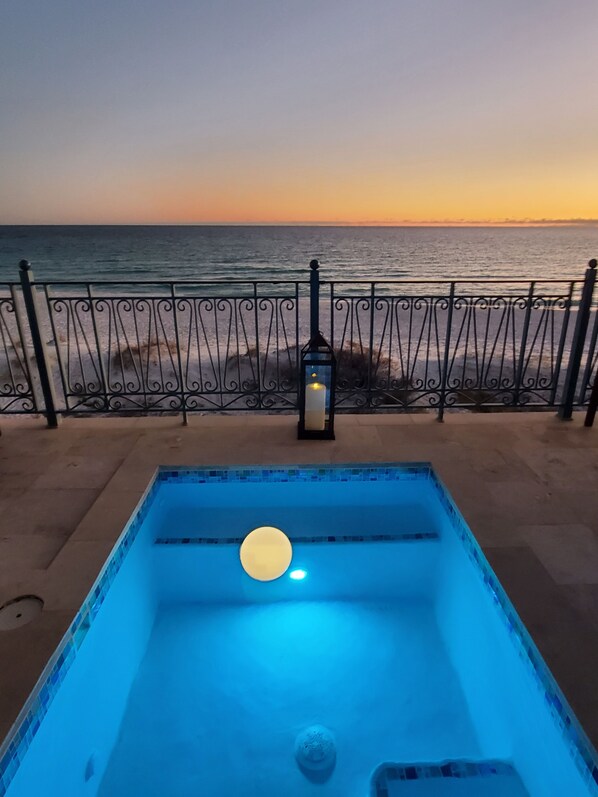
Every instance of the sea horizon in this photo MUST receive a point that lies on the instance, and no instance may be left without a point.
(283, 251)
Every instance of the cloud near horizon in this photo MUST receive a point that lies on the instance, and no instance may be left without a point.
(463, 223)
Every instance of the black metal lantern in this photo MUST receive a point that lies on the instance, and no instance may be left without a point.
(317, 381)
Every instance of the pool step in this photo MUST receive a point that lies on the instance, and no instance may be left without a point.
(406, 536)
(448, 779)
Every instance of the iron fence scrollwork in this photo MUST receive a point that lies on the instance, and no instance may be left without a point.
(233, 346)
(174, 348)
(16, 382)
(404, 347)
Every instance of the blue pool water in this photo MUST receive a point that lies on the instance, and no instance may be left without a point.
(183, 676)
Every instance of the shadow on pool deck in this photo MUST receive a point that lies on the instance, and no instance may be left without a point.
(526, 483)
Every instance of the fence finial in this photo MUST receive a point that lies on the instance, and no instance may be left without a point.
(314, 265)
(24, 265)
(593, 263)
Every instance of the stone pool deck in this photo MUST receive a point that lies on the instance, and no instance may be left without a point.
(527, 484)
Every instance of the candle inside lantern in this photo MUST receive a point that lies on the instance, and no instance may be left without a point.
(315, 407)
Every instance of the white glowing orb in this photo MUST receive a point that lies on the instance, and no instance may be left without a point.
(266, 553)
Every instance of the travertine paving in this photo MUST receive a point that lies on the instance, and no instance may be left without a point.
(527, 484)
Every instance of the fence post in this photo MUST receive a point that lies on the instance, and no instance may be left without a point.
(39, 347)
(371, 343)
(523, 343)
(173, 298)
(445, 359)
(591, 413)
(577, 345)
(314, 299)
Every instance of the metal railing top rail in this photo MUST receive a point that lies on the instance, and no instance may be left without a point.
(454, 280)
(49, 283)
(236, 281)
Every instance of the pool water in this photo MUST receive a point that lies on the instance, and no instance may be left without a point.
(182, 676)
(376, 673)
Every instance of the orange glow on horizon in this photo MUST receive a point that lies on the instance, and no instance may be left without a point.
(323, 113)
(273, 191)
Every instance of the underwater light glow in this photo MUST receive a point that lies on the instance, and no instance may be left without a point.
(298, 575)
(266, 553)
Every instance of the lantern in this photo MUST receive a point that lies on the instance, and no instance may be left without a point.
(317, 379)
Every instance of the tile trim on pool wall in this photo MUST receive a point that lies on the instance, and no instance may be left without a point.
(23, 731)
(417, 536)
(359, 472)
(389, 773)
(580, 747)
(28, 722)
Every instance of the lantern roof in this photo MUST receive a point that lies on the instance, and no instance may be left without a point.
(317, 343)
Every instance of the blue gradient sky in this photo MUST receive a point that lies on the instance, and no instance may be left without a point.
(410, 110)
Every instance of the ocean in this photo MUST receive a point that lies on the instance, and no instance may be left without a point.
(277, 252)
(226, 345)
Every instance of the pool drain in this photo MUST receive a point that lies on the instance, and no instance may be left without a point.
(315, 748)
(20, 611)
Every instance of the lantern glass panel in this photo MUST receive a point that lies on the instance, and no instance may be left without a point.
(317, 396)
(317, 390)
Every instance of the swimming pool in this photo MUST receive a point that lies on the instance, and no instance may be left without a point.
(393, 650)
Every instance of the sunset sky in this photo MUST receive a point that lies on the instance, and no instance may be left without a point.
(246, 111)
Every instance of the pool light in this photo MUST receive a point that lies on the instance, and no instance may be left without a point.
(298, 575)
(266, 553)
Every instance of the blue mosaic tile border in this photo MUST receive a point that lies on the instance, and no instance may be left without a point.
(580, 747)
(388, 773)
(19, 738)
(365, 472)
(337, 538)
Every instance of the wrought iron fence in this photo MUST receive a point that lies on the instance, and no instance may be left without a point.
(590, 371)
(182, 347)
(445, 346)
(16, 384)
(186, 347)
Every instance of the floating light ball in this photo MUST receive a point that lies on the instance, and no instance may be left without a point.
(266, 553)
